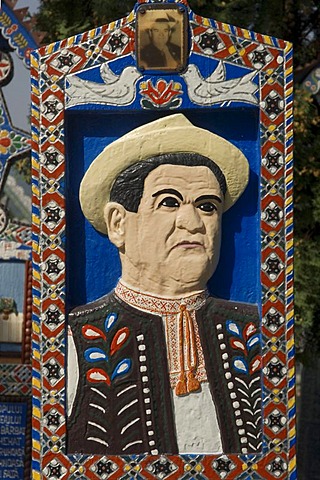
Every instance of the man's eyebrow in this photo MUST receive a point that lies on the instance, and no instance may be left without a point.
(171, 191)
(209, 197)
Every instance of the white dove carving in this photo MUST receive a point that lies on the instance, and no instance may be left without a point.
(216, 89)
(116, 89)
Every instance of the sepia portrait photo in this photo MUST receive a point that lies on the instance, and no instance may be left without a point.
(161, 39)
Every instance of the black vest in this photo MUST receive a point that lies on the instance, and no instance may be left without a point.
(123, 401)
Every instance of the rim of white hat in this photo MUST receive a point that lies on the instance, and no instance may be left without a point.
(171, 134)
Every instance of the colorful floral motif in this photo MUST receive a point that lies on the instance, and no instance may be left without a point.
(244, 341)
(161, 95)
(11, 143)
(96, 354)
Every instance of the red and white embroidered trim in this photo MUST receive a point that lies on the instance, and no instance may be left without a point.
(169, 310)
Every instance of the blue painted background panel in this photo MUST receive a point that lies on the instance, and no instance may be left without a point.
(13, 419)
(12, 280)
(93, 266)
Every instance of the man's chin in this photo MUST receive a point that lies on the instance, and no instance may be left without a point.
(191, 272)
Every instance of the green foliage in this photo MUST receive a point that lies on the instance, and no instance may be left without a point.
(307, 223)
(297, 21)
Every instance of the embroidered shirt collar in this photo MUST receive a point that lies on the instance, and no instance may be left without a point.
(159, 305)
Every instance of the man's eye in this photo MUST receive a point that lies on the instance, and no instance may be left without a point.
(170, 202)
(207, 207)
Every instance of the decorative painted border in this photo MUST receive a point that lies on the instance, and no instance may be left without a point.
(18, 30)
(273, 59)
(15, 379)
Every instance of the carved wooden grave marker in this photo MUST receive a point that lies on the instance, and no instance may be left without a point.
(163, 377)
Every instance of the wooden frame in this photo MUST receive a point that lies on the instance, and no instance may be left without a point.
(271, 59)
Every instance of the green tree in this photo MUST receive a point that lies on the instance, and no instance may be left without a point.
(297, 21)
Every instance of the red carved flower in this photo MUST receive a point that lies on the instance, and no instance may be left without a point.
(162, 92)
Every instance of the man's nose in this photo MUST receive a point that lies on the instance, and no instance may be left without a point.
(188, 218)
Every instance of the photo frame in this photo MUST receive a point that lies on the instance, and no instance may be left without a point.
(162, 37)
(15, 316)
(265, 64)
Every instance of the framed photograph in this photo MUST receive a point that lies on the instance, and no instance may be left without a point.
(115, 392)
(162, 38)
(15, 311)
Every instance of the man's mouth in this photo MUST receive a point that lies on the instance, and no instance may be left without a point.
(189, 245)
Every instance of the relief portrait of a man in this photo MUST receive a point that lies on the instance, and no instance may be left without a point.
(154, 366)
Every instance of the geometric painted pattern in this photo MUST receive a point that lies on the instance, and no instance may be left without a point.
(271, 58)
(15, 380)
(15, 237)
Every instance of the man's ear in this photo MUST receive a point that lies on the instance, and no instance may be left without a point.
(114, 216)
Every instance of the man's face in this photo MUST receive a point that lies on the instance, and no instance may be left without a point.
(174, 238)
(160, 34)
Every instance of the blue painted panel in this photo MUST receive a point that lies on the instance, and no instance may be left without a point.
(93, 266)
(13, 419)
(12, 279)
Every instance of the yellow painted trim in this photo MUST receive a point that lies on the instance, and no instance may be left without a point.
(35, 163)
(34, 62)
(290, 268)
(35, 273)
(290, 345)
(289, 245)
(36, 354)
(34, 112)
(35, 220)
(36, 412)
(71, 41)
(226, 27)
(290, 314)
(36, 327)
(290, 291)
(131, 17)
(36, 445)
(289, 177)
(292, 464)
(292, 432)
(267, 39)
(35, 190)
(291, 402)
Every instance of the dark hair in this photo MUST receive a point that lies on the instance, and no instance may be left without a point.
(127, 188)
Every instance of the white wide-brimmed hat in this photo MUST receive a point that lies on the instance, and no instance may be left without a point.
(171, 134)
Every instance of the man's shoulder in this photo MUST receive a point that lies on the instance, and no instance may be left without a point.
(174, 48)
(93, 307)
(230, 309)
